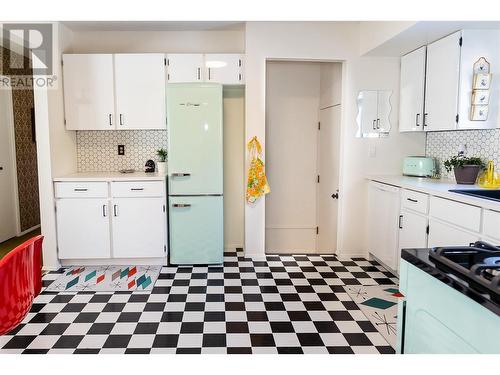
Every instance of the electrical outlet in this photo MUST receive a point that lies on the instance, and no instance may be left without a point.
(121, 149)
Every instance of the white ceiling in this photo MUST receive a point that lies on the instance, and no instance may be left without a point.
(153, 25)
(425, 32)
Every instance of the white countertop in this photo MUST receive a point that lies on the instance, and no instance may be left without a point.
(436, 187)
(111, 176)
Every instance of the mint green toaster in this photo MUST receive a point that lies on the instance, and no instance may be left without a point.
(419, 166)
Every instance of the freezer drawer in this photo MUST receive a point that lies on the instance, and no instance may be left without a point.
(196, 230)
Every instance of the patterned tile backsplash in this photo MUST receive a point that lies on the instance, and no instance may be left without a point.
(97, 151)
(482, 143)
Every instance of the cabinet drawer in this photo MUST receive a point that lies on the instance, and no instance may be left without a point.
(491, 224)
(138, 189)
(415, 201)
(81, 189)
(461, 214)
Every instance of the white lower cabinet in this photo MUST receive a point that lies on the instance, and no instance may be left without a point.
(83, 229)
(443, 234)
(412, 231)
(383, 214)
(129, 222)
(138, 227)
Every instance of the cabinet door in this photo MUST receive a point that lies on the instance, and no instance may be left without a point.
(83, 230)
(383, 214)
(226, 69)
(412, 231)
(140, 91)
(88, 92)
(367, 111)
(139, 227)
(185, 67)
(442, 82)
(442, 234)
(411, 91)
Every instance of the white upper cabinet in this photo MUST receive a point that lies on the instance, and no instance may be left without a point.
(88, 92)
(444, 102)
(226, 69)
(185, 67)
(442, 83)
(412, 86)
(140, 91)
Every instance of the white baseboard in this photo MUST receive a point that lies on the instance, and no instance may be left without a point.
(28, 230)
(115, 262)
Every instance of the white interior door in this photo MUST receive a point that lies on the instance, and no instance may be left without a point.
(328, 162)
(292, 102)
(89, 100)
(140, 91)
(8, 183)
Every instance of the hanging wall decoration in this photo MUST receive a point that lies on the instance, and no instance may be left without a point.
(480, 97)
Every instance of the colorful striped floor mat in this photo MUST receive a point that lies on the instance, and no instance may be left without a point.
(106, 279)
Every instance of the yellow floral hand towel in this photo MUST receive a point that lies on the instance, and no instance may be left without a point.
(257, 185)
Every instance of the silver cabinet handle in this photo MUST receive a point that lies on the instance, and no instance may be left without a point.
(115, 210)
(121, 119)
(137, 189)
(104, 210)
(199, 74)
(181, 174)
(378, 123)
(209, 74)
(80, 190)
(412, 200)
(180, 205)
(416, 119)
(374, 126)
(400, 224)
(110, 119)
(425, 119)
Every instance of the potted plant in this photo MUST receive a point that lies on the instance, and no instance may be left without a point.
(162, 162)
(465, 168)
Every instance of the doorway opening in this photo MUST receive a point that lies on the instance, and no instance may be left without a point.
(19, 194)
(303, 109)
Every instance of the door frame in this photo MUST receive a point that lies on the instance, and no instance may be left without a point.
(12, 151)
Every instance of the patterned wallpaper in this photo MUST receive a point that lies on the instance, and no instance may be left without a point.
(26, 159)
(97, 151)
(482, 143)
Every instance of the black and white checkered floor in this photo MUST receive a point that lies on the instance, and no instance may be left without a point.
(286, 304)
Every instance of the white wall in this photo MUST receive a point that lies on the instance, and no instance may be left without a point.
(374, 33)
(330, 41)
(158, 41)
(368, 74)
(234, 164)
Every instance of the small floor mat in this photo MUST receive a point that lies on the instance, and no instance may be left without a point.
(106, 279)
(380, 305)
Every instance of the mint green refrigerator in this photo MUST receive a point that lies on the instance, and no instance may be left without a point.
(195, 178)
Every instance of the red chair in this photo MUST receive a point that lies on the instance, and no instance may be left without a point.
(20, 282)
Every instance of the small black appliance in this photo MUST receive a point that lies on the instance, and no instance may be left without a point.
(150, 166)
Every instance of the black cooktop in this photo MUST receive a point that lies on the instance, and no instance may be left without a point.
(478, 265)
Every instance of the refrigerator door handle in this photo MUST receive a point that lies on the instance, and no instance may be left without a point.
(181, 174)
(180, 205)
